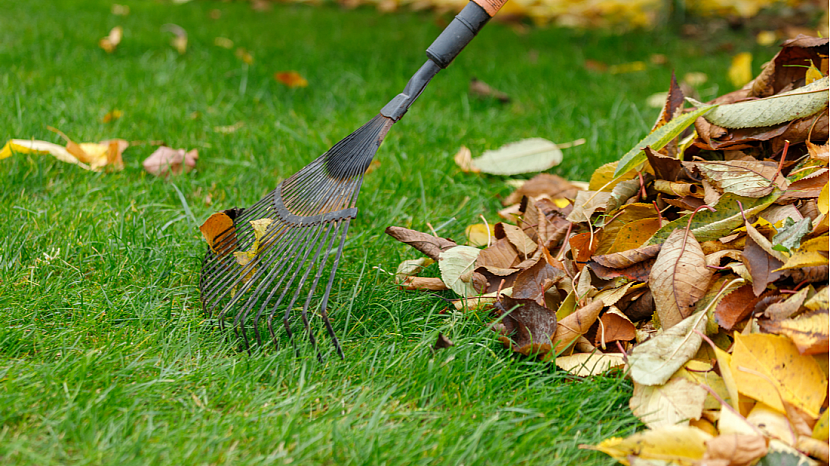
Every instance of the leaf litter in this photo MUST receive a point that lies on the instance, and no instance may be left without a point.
(697, 263)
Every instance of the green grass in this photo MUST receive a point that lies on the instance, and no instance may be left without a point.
(105, 355)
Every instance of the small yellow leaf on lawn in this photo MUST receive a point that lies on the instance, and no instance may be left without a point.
(769, 367)
(223, 42)
(114, 114)
(244, 55)
(464, 159)
(479, 235)
(740, 72)
(682, 445)
(110, 42)
(291, 78)
(627, 67)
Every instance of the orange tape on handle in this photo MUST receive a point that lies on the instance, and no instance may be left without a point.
(490, 6)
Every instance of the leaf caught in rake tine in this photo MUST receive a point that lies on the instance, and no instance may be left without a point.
(259, 268)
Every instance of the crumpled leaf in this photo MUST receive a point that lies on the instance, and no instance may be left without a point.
(219, 233)
(529, 327)
(658, 138)
(457, 266)
(430, 245)
(576, 324)
(165, 161)
(678, 278)
(790, 234)
(654, 361)
(785, 373)
(627, 258)
(736, 449)
(769, 111)
(761, 265)
(410, 268)
(674, 403)
(526, 156)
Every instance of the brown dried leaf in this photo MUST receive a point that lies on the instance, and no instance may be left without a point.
(576, 324)
(614, 326)
(735, 307)
(761, 266)
(501, 254)
(532, 282)
(624, 259)
(517, 237)
(639, 272)
(665, 168)
(482, 90)
(529, 327)
(545, 184)
(423, 283)
(735, 449)
(678, 278)
(430, 245)
(165, 161)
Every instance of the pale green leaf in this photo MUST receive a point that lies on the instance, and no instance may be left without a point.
(658, 139)
(525, 156)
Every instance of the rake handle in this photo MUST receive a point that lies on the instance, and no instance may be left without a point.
(461, 30)
(443, 51)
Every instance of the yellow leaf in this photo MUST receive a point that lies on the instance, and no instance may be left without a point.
(809, 254)
(771, 422)
(244, 55)
(768, 368)
(820, 430)
(112, 115)
(223, 42)
(561, 202)
(766, 38)
(603, 177)
(813, 74)
(809, 331)
(291, 78)
(627, 67)
(740, 72)
(725, 364)
(26, 146)
(682, 445)
(822, 199)
(818, 300)
(588, 364)
(702, 373)
(112, 40)
(479, 235)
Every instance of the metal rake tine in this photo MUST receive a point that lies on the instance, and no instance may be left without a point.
(324, 301)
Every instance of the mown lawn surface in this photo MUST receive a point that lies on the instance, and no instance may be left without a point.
(105, 354)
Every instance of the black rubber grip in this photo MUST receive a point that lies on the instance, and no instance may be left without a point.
(457, 35)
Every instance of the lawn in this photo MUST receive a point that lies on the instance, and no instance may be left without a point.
(105, 354)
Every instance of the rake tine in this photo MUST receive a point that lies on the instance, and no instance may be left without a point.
(285, 320)
(324, 301)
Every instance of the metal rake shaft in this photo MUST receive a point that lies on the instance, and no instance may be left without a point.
(259, 268)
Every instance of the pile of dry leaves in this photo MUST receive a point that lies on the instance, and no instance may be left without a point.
(698, 263)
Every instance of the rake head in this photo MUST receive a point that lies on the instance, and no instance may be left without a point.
(259, 268)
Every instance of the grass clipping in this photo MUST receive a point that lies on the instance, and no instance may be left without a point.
(698, 263)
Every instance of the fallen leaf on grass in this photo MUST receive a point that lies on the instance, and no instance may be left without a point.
(740, 72)
(464, 159)
(242, 54)
(291, 79)
(526, 156)
(179, 40)
(112, 115)
(219, 233)
(481, 89)
(430, 245)
(165, 161)
(93, 156)
(110, 43)
(223, 42)
(410, 268)
(528, 326)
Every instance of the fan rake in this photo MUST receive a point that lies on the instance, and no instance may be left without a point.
(258, 266)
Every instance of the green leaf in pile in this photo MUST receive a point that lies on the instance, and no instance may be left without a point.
(708, 226)
(658, 139)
